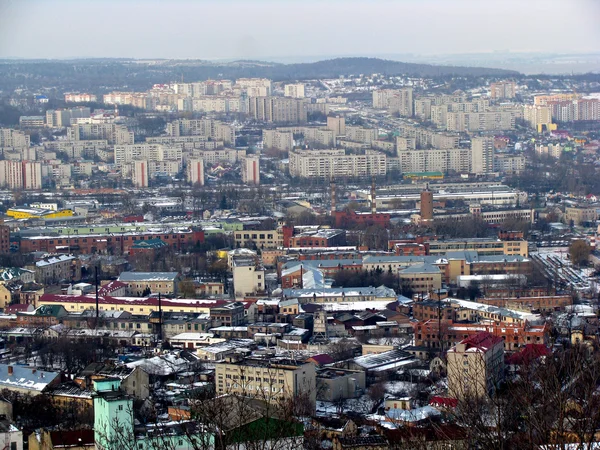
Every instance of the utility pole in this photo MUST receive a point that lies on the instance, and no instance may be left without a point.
(97, 302)
(440, 320)
(160, 333)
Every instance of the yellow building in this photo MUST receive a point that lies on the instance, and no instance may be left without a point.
(38, 213)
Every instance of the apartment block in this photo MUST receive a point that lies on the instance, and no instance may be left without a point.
(482, 155)
(279, 140)
(113, 134)
(475, 366)
(270, 380)
(251, 169)
(139, 173)
(329, 164)
(195, 171)
(13, 138)
(248, 277)
(294, 90)
(503, 90)
(277, 109)
(396, 101)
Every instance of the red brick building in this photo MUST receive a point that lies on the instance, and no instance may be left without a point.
(349, 219)
(515, 335)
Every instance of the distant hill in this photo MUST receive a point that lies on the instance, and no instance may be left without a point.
(346, 66)
(101, 75)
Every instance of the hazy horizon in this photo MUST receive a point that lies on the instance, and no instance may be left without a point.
(293, 30)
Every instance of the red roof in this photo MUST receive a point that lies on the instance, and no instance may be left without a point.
(482, 341)
(443, 402)
(322, 359)
(111, 287)
(19, 307)
(529, 353)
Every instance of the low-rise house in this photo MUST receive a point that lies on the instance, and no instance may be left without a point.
(26, 380)
(218, 352)
(43, 316)
(135, 381)
(229, 314)
(339, 384)
(72, 439)
(143, 283)
(194, 340)
(377, 363)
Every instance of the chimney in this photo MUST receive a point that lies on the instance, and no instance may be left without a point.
(373, 199)
(10, 370)
(332, 197)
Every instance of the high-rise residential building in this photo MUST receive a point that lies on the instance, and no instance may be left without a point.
(361, 134)
(475, 366)
(255, 87)
(251, 169)
(543, 100)
(11, 174)
(538, 117)
(328, 164)
(435, 160)
(482, 155)
(503, 89)
(113, 134)
(32, 175)
(4, 238)
(195, 171)
(336, 124)
(125, 154)
(277, 109)
(423, 108)
(139, 173)
(282, 140)
(79, 98)
(209, 128)
(294, 90)
(396, 101)
(13, 138)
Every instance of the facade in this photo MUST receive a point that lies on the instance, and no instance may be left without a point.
(279, 140)
(328, 164)
(195, 171)
(538, 117)
(294, 90)
(251, 169)
(248, 277)
(396, 101)
(269, 380)
(139, 173)
(475, 366)
(277, 109)
(55, 269)
(230, 314)
(482, 155)
(581, 214)
(156, 282)
(503, 90)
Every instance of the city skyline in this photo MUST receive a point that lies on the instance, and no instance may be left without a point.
(267, 29)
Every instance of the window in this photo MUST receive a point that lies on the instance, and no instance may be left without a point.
(120, 407)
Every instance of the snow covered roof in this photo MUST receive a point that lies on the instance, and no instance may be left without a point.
(25, 377)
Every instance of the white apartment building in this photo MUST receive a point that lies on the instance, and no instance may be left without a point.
(255, 87)
(125, 154)
(202, 127)
(294, 90)
(11, 174)
(435, 160)
(279, 140)
(195, 171)
(251, 169)
(552, 150)
(361, 134)
(538, 117)
(113, 134)
(333, 163)
(13, 138)
(139, 173)
(248, 277)
(482, 155)
(396, 101)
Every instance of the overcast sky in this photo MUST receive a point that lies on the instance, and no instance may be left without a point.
(293, 28)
